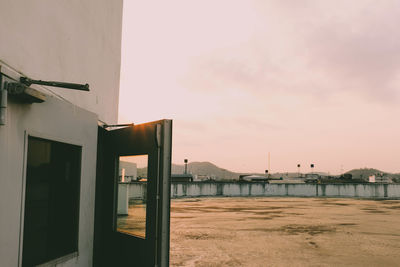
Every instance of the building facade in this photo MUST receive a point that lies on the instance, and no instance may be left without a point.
(49, 146)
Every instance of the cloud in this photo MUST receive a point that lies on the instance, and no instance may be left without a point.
(360, 52)
(356, 49)
(304, 80)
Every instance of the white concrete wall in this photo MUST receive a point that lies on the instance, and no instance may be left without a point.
(123, 199)
(54, 120)
(67, 40)
(393, 190)
(75, 41)
(137, 190)
(198, 189)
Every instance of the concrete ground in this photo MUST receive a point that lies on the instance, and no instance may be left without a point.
(285, 232)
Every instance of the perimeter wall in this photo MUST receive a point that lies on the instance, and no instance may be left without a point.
(137, 190)
(182, 190)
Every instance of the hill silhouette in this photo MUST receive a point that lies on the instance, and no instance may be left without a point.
(211, 170)
(208, 169)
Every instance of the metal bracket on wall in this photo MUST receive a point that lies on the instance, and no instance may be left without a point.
(105, 126)
(18, 92)
(75, 86)
(23, 93)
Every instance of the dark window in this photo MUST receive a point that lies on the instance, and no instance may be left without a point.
(51, 219)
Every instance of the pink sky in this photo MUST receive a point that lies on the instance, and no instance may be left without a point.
(308, 81)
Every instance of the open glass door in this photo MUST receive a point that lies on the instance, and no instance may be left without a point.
(133, 196)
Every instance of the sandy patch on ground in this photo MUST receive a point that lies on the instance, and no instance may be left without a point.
(285, 232)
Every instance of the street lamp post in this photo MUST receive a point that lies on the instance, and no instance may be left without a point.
(298, 169)
(186, 162)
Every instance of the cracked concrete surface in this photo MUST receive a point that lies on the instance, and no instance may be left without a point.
(285, 232)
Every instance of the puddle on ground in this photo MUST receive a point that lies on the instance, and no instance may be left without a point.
(347, 224)
(373, 210)
(295, 229)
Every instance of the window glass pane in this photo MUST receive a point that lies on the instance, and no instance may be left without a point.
(51, 201)
(132, 195)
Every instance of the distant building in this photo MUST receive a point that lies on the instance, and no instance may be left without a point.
(201, 177)
(127, 171)
(253, 178)
(182, 177)
(372, 178)
(312, 175)
(380, 179)
(311, 178)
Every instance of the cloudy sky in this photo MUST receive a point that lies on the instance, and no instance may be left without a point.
(308, 81)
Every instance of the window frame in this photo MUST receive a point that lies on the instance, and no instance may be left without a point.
(116, 197)
(52, 138)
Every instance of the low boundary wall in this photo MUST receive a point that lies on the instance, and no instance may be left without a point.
(222, 189)
(253, 189)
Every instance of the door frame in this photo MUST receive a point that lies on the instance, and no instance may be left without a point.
(109, 243)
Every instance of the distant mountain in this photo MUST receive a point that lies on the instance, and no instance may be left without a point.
(208, 169)
(211, 170)
(364, 173)
(205, 169)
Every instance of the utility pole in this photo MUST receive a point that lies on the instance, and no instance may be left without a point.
(186, 163)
